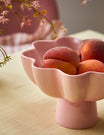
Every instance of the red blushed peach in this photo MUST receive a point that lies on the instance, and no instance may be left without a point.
(63, 53)
(92, 49)
(62, 58)
(90, 65)
(59, 64)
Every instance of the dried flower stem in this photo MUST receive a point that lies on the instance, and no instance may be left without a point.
(5, 59)
(51, 23)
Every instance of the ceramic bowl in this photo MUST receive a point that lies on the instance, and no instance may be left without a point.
(77, 94)
(88, 86)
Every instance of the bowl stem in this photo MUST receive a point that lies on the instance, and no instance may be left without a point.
(76, 115)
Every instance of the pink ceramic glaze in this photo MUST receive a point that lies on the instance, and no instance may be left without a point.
(77, 94)
(78, 115)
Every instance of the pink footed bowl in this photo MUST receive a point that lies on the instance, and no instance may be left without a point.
(76, 94)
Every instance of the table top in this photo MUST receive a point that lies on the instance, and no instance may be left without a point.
(25, 110)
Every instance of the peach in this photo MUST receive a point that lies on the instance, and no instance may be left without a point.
(92, 49)
(90, 65)
(63, 58)
(59, 64)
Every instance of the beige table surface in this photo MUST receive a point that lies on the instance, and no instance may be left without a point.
(25, 110)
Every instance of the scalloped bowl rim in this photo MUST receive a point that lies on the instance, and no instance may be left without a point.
(40, 41)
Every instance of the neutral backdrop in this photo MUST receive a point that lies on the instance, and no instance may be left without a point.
(77, 18)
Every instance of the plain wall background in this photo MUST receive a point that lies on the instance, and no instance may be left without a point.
(77, 18)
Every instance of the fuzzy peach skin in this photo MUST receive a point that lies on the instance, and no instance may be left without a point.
(63, 58)
(92, 49)
(91, 65)
(59, 64)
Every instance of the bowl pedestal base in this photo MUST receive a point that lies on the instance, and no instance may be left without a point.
(76, 115)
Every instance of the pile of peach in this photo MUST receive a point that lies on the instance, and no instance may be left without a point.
(89, 58)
